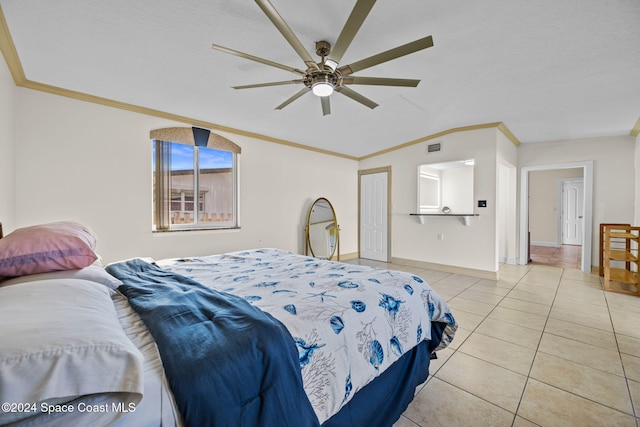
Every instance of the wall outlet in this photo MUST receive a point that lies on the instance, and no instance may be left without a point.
(440, 236)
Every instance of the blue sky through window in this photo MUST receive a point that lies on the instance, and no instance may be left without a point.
(210, 158)
(182, 158)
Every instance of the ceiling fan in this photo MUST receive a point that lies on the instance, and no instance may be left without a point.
(324, 77)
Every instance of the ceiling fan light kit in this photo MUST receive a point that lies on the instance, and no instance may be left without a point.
(325, 77)
(322, 89)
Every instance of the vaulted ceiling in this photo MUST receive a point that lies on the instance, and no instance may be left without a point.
(548, 70)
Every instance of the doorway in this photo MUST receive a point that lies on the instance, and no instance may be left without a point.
(374, 226)
(566, 250)
(587, 203)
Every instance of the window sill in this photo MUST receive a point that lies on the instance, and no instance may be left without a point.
(188, 230)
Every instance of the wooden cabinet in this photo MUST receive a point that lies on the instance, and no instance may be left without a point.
(620, 258)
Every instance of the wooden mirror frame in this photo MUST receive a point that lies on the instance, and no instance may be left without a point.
(308, 246)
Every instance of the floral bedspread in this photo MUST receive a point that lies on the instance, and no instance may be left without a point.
(349, 322)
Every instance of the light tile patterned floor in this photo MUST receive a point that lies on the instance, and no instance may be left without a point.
(542, 346)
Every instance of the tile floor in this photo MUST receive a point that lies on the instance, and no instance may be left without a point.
(542, 346)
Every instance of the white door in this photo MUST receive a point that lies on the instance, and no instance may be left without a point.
(373, 216)
(572, 212)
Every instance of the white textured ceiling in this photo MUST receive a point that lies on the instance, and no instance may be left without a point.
(547, 69)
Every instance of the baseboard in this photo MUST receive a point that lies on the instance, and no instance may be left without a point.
(510, 261)
(347, 257)
(484, 274)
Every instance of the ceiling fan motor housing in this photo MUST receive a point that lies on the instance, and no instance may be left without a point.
(314, 77)
(323, 75)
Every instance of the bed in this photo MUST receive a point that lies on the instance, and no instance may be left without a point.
(256, 337)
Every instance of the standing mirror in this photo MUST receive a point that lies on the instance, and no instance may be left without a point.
(322, 232)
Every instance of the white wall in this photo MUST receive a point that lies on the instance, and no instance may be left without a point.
(614, 183)
(90, 163)
(507, 197)
(7, 142)
(503, 219)
(470, 246)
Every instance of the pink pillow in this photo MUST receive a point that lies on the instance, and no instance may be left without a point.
(47, 247)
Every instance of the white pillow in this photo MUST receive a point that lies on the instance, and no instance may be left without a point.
(61, 339)
(94, 273)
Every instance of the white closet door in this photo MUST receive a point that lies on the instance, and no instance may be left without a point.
(374, 216)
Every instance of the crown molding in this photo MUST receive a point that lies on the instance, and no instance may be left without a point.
(499, 125)
(9, 52)
(503, 128)
(17, 72)
(636, 129)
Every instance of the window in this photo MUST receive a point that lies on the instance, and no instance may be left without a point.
(194, 187)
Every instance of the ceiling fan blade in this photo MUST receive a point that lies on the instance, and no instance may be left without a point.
(293, 98)
(286, 82)
(350, 29)
(326, 105)
(356, 96)
(379, 81)
(388, 55)
(257, 59)
(288, 34)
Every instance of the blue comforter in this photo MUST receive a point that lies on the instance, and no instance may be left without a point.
(350, 322)
(228, 363)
